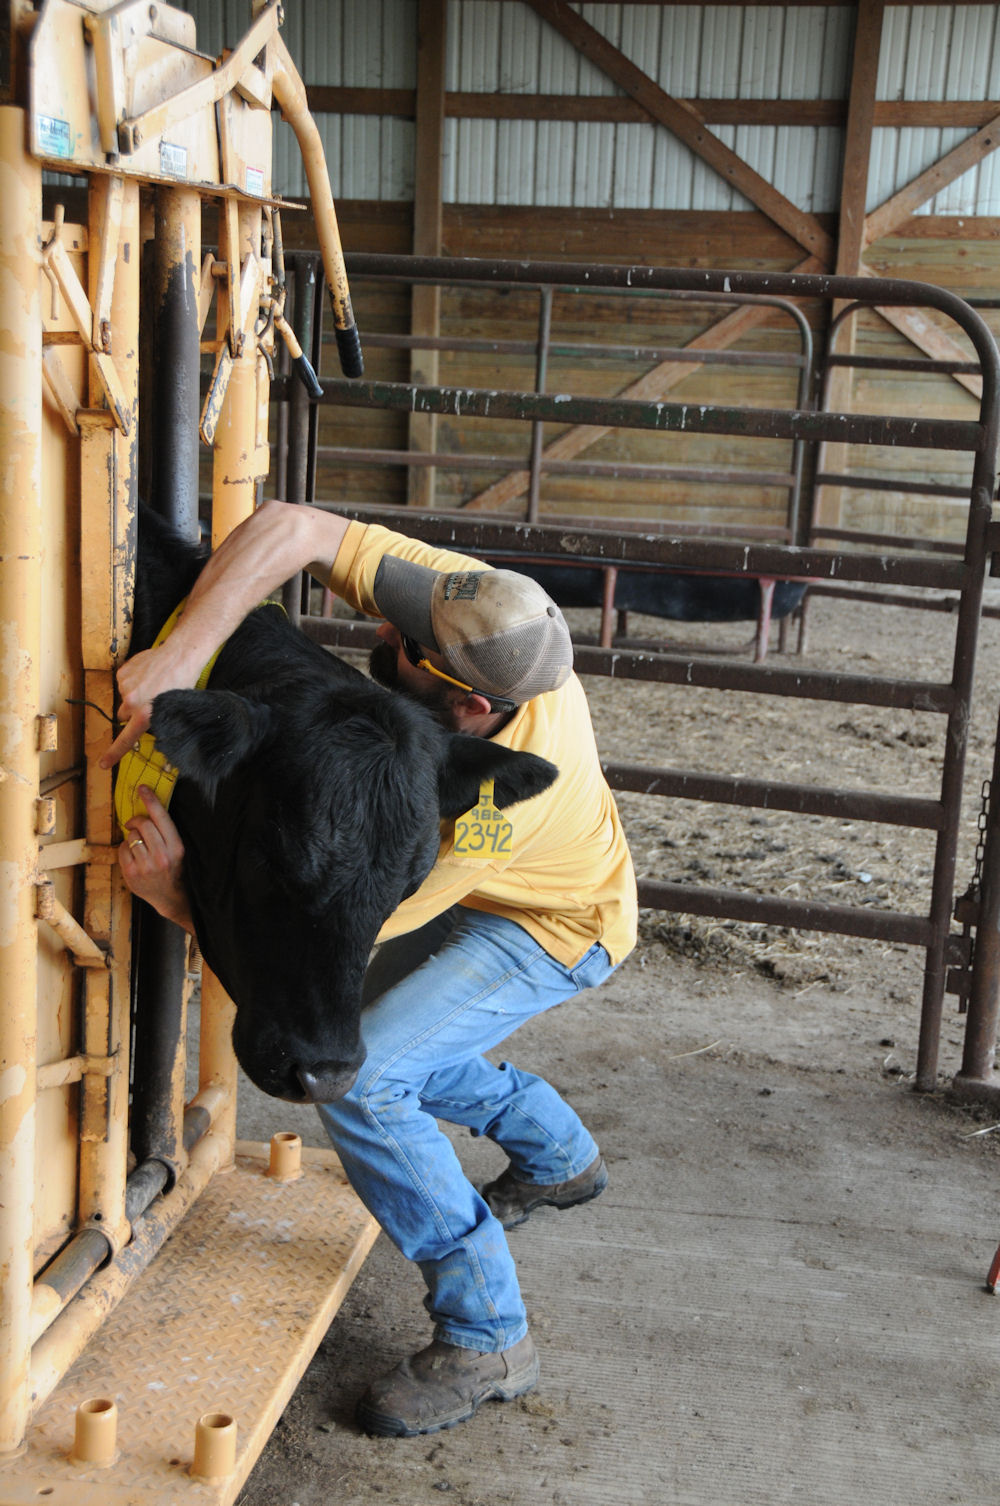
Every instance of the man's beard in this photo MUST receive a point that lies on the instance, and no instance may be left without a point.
(383, 666)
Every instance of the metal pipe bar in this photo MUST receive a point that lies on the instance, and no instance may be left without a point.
(176, 394)
(84, 948)
(290, 94)
(21, 553)
(892, 540)
(659, 417)
(955, 748)
(159, 962)
(887, 484)
(481, 534)
(650, 526)
(802, 799)
(905, 363)
(622, 469)
(379, 267)
(898, 599)
(71, 1069)
(63, 776)
(465, 344)
(803, 400)
(109, 484)
(669, 669)
(238, 462)
(910, 695)
(806, 915)
(537, 429)
(304, 290)
(160, 948)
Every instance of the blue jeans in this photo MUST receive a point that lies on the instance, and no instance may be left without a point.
(436, 999)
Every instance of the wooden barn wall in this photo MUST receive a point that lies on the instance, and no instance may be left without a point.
(927, 252)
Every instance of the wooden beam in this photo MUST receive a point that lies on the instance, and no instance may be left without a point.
(858, 138)
(649, 388)
(619, 109)
(832, 458)
(425, 315)
(686, 123)
(891, 214)
(945, 114)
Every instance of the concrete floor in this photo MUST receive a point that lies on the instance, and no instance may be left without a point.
(780, 1298)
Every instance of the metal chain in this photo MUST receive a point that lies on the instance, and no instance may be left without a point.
(981, 824)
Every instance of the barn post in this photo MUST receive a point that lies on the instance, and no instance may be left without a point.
(20, 632)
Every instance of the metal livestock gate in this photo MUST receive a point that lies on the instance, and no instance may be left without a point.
(951, 958)
(112, 1387)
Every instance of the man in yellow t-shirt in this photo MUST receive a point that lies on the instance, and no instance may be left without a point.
(520, 912)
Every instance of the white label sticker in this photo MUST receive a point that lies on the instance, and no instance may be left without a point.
(255, 181)
(173, 159)
(53, 137)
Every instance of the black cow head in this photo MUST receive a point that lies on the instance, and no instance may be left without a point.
(309, 808)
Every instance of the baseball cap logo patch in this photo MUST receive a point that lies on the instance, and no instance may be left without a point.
(462, 586)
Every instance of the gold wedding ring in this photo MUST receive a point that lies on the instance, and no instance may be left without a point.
(137, 843)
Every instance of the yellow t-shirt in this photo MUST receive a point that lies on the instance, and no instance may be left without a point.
(568, 879)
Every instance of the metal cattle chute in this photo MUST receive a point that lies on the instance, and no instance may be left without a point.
(121, 1377)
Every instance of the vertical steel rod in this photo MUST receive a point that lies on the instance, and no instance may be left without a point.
(953, 771)
(537, 428)
(108, 484)
(160, 960)
(236, 467)
(176, 396)
(304, 309)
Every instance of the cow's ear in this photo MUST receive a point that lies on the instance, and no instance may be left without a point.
(206, 733)
(470, 760)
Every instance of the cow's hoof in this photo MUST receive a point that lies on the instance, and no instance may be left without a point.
(442, 1385)
(511, 1201)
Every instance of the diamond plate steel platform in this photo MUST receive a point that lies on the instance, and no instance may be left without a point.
(225, 1319)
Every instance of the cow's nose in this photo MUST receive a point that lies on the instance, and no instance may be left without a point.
(328, 1083)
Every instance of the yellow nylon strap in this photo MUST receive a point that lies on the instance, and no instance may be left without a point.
(145, 764)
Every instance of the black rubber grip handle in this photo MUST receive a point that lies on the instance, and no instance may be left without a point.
(352, 362)
(308, 377)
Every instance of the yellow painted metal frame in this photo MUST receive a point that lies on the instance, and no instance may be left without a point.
(118, 93)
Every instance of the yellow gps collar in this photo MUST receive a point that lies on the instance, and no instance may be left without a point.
(144, 763)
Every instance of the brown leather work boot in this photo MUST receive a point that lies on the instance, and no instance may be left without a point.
(442, 1385)
(511, 1201)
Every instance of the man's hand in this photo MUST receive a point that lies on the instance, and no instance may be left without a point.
(140, 680)
(151, 859)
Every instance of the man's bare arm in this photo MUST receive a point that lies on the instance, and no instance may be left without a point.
(272, 545)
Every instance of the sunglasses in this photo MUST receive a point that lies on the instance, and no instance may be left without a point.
(419, 660)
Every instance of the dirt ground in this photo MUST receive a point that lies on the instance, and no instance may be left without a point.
(751, 1088)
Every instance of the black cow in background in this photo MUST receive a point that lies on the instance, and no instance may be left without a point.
(682, 596)
(309, 803)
